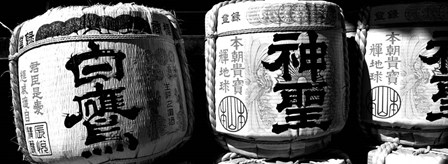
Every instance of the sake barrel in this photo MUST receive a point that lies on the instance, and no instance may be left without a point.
(276, 76)
(102, 83)
(404, 48)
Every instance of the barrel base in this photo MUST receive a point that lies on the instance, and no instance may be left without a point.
(407, 155)
(415, 137)
(327, 156)
(273, 150)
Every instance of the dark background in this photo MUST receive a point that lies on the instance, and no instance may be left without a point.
(201, 148)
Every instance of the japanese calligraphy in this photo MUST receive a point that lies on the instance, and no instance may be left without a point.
(35, 84)
(386, 15)
(96, 71)
(285, 56)
(232, 67)
(306, 111)
(169, 104)
(224, 85)
(376, 50)
(440, 75)
(236, 42)
(384, 68)
(29, 37)
(392, 76)
(233, 113)
(101, 107)
(392, 37)
(313, 60)
(376, 76)
(37, 139)
(238, 85)
(223, 56)
(386, 102)
(24, 95)
(393, 50)
(235, 17)
(225, 18)
(237, 69)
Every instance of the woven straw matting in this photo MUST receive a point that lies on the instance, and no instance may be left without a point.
(100, 83)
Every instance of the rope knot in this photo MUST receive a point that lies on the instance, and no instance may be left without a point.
(362, 26)
(422, 151)
(213, 35)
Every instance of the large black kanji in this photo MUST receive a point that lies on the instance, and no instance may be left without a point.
(291, 94)
(440, 57)
(98, 70)
(299, 114)
(99, 110)
(306, 118)
(310, 58)
(284, 58)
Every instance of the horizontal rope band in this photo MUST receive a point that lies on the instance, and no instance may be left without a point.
(266, 142)
(400, 129)
(76, 38)
(270, 29)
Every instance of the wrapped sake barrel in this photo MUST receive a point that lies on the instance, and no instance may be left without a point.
(276, 76)
(405, 53)
(102, 83)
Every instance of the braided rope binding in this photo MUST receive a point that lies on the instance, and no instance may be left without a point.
(180, 47)
(347, 85)
(361, 31)
(16, 104)
(211, 20)
(382, 151)
(386, 148)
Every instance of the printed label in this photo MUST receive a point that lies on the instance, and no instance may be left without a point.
(286, 82)
(101, 98)
(407, 69)
(37, 139)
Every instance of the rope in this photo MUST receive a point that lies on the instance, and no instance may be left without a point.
(325, 156)
(6, 27)
(382, 151)
(269, 29)
(386, 148)
(16, 104)
(18, 119)
(361, 31)
(77, 38)
(229, 156)
(346, 68)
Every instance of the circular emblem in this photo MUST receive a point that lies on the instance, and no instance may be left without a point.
(384, 102)
(232, 113)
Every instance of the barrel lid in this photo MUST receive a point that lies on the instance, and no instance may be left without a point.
(121, 19)
(287, 14)
(409, 14)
